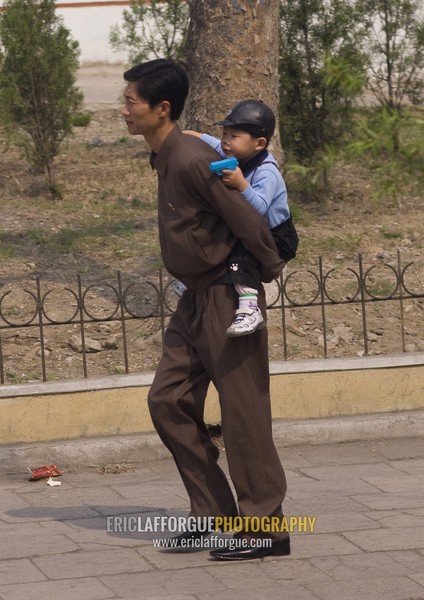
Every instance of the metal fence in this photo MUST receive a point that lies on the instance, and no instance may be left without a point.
(46, 327)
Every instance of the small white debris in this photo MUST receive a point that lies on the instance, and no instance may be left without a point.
(53, 482)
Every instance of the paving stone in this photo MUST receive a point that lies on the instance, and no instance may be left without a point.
(34, 528)
(11, 501)
(290, 591)
(322, 544)
(53, 527)
(292, 476)
(402, 520)
(361, 540)
(396, 449)
(94, 478)
(419, 579)
(155, 489)
(95, 563)
(291, 458)
(410, 559)
(165, 468)
(91, 523)
(48, 513)
(314, 505)
(167, 597)
(155, 496)
(16, 546)
(360, 566)
(157, 583)
(70, 496)
(378, 588)
(165, 560)
(101, 540)
(413, 466)
(19, 571)
(297, 570)
(397, 483)
(341, 521)
(70, 589)
(13, 483)
(338, 454)
(132, 508)
(244, 576)
(389, 501)
(378, 515)
(387, 539)
(341, 487)
(351, 471)
(25, 506)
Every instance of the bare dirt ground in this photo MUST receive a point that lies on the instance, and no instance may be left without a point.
(106, 221)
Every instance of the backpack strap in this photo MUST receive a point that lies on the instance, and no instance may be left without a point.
(265, 162)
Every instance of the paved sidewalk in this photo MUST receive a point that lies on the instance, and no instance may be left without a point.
(102, 85)
(368, 542)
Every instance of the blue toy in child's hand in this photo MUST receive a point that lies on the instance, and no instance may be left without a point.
(227, 163)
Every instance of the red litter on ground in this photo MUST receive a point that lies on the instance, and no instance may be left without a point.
(43, 472)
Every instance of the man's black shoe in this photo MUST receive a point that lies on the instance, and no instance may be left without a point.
(249, 552)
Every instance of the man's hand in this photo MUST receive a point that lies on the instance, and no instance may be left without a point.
(234, 179)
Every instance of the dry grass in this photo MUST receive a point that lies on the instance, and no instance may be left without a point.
(106, 221)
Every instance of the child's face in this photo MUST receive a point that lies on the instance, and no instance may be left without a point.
(238, 143)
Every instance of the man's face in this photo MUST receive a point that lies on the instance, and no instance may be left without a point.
(139, 117)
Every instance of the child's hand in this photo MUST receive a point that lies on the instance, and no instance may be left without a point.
(234, 179)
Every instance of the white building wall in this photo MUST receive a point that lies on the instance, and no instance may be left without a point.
(89, 23)
(90, 26)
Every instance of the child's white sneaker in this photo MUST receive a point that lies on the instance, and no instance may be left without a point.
(179, 288)
(247, 321)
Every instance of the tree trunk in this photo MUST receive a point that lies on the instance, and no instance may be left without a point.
(232, 55)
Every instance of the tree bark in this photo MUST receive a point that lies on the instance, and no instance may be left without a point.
(232, 54)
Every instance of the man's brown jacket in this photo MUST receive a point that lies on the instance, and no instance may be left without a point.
(200, 219)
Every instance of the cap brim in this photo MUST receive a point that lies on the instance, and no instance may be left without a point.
(224, 123)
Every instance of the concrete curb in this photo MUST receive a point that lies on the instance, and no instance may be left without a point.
(148, 447)
(316, 365)
(373, 426)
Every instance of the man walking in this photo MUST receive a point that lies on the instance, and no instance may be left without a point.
(200, 222)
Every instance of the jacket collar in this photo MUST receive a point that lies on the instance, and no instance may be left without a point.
(251, 164)
(159, 161)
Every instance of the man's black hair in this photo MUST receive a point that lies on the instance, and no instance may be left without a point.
(161, 79)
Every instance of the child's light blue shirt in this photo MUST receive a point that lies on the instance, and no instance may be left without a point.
(267, 191)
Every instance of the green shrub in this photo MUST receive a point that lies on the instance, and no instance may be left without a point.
(38, 64)
(81, 119)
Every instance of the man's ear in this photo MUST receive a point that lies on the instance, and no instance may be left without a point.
(261, 143)
(164, 108)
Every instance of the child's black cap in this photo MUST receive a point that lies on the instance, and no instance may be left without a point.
(251, 112)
